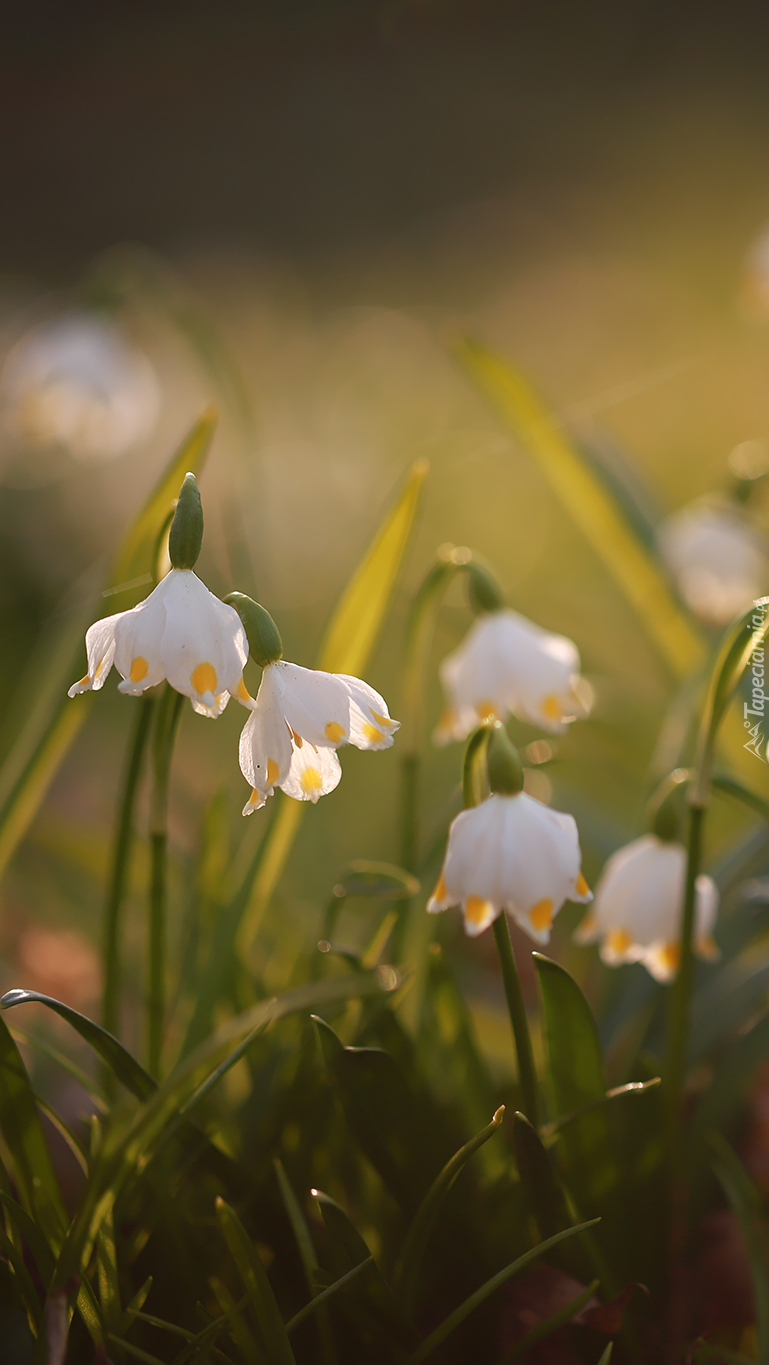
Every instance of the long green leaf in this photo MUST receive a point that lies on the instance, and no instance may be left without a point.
(346, 647)
(125, 1067)
(588, 502)
(545, 1329)
(21, 1128)
(418, 1235)
(475, 1300)
(48, 737)
(747, 1206)
(575, 1068)
(257, 1286)
(320, 1300)
(129, 1148)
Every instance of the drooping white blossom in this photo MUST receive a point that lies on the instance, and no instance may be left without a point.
(300, 718)
(716, 558)
(638, 907)
(78, 382)
(507, 664)
(511, 853)
(182, 633)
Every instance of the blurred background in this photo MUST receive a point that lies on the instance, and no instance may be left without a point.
(292, 209)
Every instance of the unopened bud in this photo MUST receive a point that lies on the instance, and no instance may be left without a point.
(504, 763)
(264, 640)
(483, 589)
(186, 534)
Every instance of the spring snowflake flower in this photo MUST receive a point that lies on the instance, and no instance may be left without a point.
(506, 665)
(716, 559)
(78, 382)
(182, 633)
(638, 906)
(299, 719)
(511, 853)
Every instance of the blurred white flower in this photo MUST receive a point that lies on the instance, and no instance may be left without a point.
(78, 382)
(298, 721)
(508, 664)
(511, 853)
(716, 558)
(180, 632)
(638, 908)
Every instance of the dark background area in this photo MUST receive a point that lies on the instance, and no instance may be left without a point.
(314, 126)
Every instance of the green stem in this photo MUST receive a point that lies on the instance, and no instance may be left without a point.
(119, 870)
(165, 733)
(681, 991)
(527, 1075)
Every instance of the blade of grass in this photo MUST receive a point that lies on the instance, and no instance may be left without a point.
(747, 1206)
(257, 1285)
(122, 1065)
(325, 1294)
(415, 1242)
(23, 1133)
(475, 1300)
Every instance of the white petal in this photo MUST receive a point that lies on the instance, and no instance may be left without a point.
(371, 726)
(265, 743)
(138, 635)
(314, 772)
(204, 647)
(315, 704)
(100, 651)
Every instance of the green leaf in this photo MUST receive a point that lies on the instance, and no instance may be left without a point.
(383, 881)
(607, 1354)
(380, 1109)
(34, 760)
(575, 1067)
(540, 1182)
(23, 1134)
(129, 1147)
(125, 1067)
(32, 1235)
(27, 1292)
(550, 1325)
(257, 1286)
(729, 786)
(346, 647)
(747, 1206)
(475, 1300)
(589, 502)
(417, 1237)
(375, 1304)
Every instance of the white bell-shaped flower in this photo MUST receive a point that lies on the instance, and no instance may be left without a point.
(511, 853)
(79, 382)
(716, 558)
(299, 719)
(506, 665)
(638, 907)
(181, 632)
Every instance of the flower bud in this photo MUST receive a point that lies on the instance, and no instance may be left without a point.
(186, 535)
(483, 589)
(264, 639)
(505, 768)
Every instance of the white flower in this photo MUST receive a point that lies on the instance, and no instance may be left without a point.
(511, 853)
(716, 559)
(638, 908)
(299, 719)
(508, 664)
(78, 382)
(180, 632)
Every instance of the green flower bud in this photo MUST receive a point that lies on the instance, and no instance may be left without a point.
(264, 640)
(504, 763)
(186, 535)
(666, 809)
(483, 589)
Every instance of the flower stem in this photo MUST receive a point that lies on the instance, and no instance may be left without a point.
(527, 1075)
(119, 870)
(165, 733)
(681, 990)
